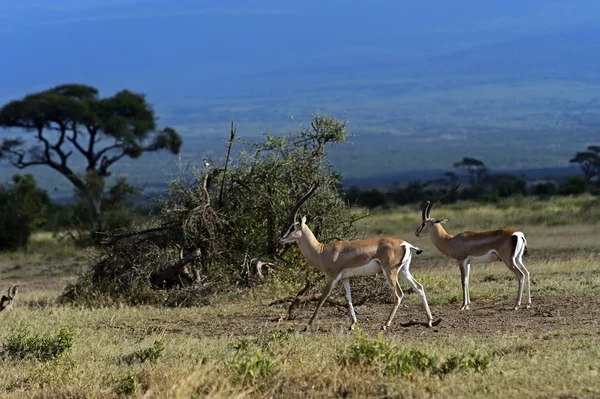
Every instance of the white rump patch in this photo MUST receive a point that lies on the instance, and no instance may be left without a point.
(371, 268)
(521, 242)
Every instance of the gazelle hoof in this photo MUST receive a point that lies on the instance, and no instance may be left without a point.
(528, 306)
(465, 307)
(351, 328)
(306, 329)
(384, 327)
(516, 307)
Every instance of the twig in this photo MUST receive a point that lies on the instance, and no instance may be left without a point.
(112, 238)
(231, 137)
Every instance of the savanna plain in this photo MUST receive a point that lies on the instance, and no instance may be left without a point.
(240, 346)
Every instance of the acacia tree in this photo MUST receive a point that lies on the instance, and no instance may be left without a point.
(589, 161)
(70, 123)
(475, 168)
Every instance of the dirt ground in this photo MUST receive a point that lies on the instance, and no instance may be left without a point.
(484, 319)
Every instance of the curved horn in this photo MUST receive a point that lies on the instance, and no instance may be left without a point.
(442, 197)
(299, 203)
(424, 212)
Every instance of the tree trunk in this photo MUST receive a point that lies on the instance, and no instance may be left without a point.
(96, 214)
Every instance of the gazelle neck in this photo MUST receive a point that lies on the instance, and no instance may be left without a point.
(439, 236)
(310, 247)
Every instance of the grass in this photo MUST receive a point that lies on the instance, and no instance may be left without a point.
(240, 347)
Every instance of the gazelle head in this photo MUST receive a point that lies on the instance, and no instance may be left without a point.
(294, 231)
(427, 221)
(7, 302)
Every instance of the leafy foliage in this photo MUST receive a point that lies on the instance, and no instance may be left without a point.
(389, 361)
(148, 354)
(71, 123)
(22, 344)
(589, 161)
(209, 223)
(23, 208)
(250, 364)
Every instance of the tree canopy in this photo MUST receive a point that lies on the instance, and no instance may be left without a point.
(71, 122)
(589, 161)
(475, 168)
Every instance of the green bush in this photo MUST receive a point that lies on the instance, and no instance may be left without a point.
(149, 354)
(388, 360)
(23, 209)
(227, 214)
(250, 364)
(574, 185)
(21, 344)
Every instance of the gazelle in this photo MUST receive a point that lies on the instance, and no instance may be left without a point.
(340, 260)
(505, 245)
(7, 302)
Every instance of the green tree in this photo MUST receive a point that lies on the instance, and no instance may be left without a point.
(475, 168)
(211, 227)
(574, 185)
(589, 161)
(70, 123)
(23, 207)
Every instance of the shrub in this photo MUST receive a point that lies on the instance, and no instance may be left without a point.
(22, 344)
(22, 210)
(386, 358)
(574, 185)
(149, 354)
(249, 364)
(217, 218)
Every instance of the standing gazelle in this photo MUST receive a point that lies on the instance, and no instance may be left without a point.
(504, 245)
(340, 260)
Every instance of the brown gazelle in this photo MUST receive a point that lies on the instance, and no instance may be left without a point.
(340, 260)
(7, 302)
(505, 245)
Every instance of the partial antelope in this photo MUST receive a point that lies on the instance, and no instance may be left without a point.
(7, 302)
(505, 245)
(340, 260)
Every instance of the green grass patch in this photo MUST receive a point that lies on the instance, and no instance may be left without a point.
(21, 344)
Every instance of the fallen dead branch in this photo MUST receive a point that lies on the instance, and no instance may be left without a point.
(420, 323)
(300, 299)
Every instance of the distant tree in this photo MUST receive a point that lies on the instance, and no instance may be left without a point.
(413, 192)
(372, 198)
(70, 123)
(589, 161)
(507, 185)
(544, 189)
(351, 195)
(574, 185)
(23, 208)
(475, 168)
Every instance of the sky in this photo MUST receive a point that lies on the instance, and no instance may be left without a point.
(160, 47)
(213, 61)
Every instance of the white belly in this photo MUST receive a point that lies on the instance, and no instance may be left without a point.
(371, 268)
(491, 256)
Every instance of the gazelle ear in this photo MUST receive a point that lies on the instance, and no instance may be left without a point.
(303, 220)
(444, 220)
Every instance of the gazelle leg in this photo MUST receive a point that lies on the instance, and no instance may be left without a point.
(464, 284)
(512, 265)
(324, 295)
(418, 289)
(519, 263)
(392, 279)
(346, 283)
(467, 279)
